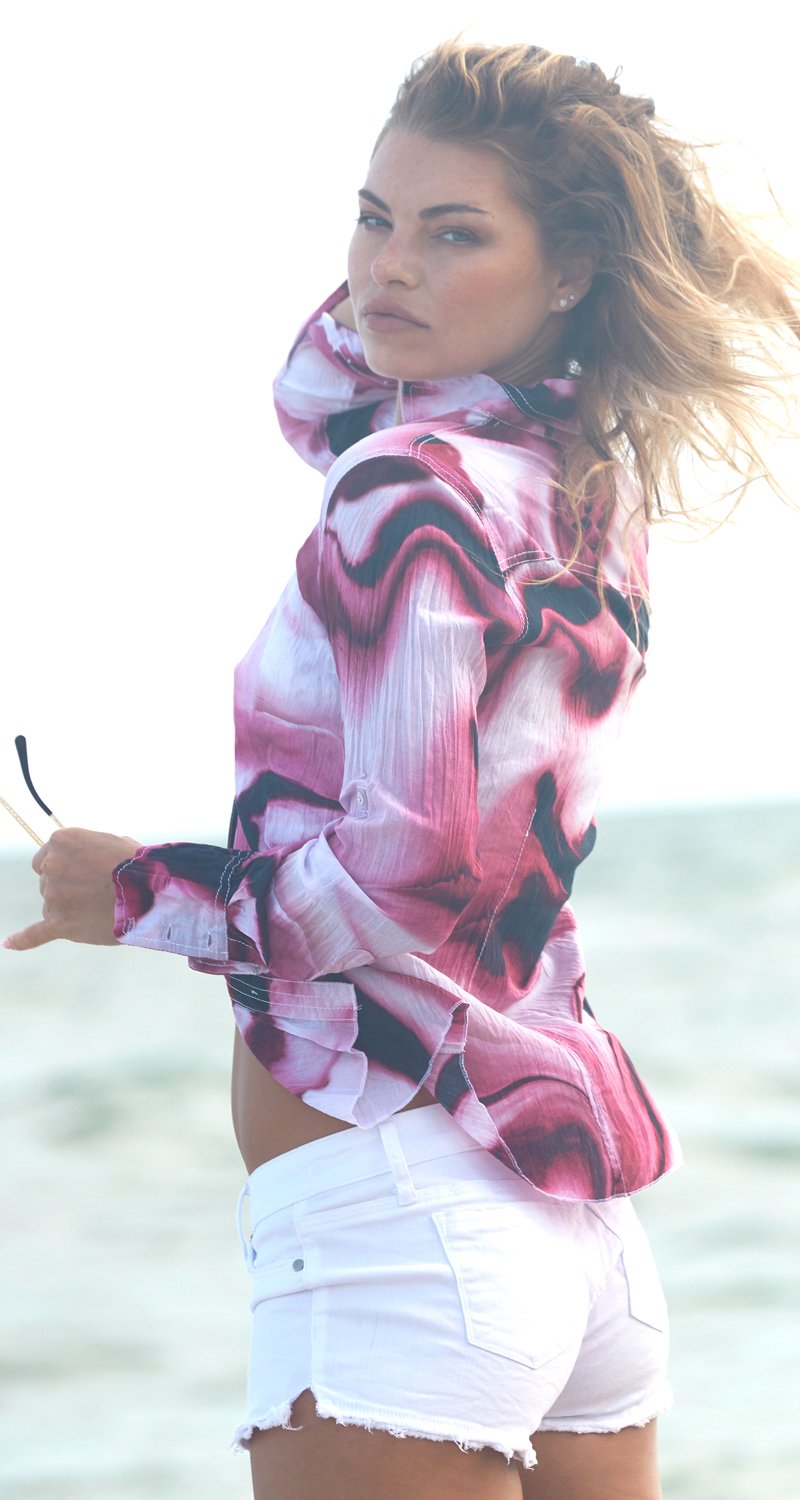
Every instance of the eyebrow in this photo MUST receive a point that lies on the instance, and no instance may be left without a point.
(429, 213)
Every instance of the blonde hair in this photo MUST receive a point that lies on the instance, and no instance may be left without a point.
(684, 330)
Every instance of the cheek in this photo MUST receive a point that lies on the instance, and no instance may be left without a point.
(507, 302)
(352, 269)
(359, 260)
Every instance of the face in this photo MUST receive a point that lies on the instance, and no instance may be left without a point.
(446, 271)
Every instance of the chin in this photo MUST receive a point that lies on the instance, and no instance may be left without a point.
(399, 368)
(391, 367)
(387, 358)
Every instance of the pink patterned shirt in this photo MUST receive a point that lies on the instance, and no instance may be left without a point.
(421, 732)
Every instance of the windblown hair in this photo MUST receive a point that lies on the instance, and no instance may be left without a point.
(684, 331)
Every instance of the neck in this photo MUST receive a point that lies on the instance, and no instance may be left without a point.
(543, 360)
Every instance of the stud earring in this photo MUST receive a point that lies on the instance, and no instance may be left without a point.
(564, 301)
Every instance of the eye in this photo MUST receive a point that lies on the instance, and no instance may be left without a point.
(369, 220)
(466, 236)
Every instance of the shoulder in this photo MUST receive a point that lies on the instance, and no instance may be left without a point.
(422, 474)
(391, 525)
(451, 467)
(406, 450)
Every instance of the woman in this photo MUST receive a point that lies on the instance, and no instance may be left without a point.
(544, 308)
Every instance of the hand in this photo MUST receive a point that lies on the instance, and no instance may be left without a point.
(78, 893)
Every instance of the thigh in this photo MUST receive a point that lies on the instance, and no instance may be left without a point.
(322, 1459)
(594, 1466)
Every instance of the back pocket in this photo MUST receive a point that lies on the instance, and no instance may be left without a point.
(646, 1300)
(521, 1286)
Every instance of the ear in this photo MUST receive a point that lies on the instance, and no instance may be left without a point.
(576, 276)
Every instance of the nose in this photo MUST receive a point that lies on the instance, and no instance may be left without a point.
(393, 263)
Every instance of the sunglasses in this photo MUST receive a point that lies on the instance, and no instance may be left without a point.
(22, 752)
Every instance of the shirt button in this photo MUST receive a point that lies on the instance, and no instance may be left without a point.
(297, 1265)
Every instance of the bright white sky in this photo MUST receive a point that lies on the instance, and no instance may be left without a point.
(178, 182)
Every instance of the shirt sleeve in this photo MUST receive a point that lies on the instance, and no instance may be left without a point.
(326, 396)
(402, 572)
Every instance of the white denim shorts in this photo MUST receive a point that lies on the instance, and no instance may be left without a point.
(415, 1284)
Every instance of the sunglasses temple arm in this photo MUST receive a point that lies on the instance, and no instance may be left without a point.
(22, 822)
(21, 746)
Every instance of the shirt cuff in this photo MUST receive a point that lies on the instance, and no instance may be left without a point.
(154, 909)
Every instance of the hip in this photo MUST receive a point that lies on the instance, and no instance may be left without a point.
(269, 1120)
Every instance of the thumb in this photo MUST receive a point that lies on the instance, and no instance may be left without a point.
(31, 937)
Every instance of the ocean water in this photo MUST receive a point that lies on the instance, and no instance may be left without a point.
(124, 1293)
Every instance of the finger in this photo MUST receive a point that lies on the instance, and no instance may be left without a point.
(31, 937)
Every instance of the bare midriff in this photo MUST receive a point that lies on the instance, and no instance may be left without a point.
(269, 1120)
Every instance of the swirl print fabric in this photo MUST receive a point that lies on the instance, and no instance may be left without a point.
(422, 728)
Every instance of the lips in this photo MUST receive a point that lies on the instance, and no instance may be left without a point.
(381, 313)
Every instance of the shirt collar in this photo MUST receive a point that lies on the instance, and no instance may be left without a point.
(552, 402)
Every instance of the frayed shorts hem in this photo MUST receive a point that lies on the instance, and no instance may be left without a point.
(399, 1424)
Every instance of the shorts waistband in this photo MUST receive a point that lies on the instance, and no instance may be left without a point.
(354, 1154)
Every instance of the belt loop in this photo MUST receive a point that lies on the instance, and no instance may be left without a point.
(406, 1191)
(246, 1247)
